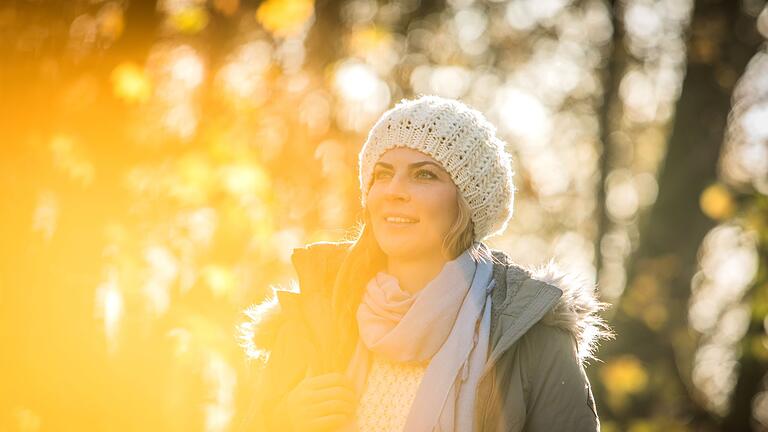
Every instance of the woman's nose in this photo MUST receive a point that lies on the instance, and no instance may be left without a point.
(397, 189)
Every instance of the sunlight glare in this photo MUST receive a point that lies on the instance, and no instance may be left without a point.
(642, 20)
(285, 17)
(109, 308)
(364, 95)
(186, 67)
(221, 379)
(130, 83)
(46, 214)
(728, 262)
(356, 81)
(181, 120)
(525, 14)
(162, 271)
(623, 199)
(523, 115)
(639, 94)
(449, 81)
(243, 77)
(220, 279)
(245, 181)
(69, 156)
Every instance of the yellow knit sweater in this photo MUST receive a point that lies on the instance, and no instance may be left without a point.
(389, 392)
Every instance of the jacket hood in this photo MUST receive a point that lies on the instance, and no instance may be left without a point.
(576, 310)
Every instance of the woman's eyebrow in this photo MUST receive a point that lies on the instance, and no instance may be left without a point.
(413, 165)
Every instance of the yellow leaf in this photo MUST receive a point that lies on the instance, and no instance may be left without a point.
(194, 179)
(368, 39)
(190, 20)
(110, 21)
(130, 83)
(285, 17)
(219, 279)
(624, 376)
(716, 202)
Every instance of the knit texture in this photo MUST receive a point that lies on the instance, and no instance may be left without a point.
(463, 141)
(389, 392)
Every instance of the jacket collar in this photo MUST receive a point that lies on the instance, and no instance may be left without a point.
(523, 297)
(546, 294)
(519, 302)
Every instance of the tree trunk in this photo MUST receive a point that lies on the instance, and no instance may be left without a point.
(722, 39)
(608, 116)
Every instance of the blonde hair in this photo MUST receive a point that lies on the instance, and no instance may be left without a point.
(365, 258)
(460, 235)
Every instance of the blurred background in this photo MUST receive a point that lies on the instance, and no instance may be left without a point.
(160, 159)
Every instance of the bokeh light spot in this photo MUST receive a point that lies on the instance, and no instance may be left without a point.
(285, 17)
(130, 83)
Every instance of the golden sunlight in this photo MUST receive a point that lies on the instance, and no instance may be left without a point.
(285, 17)
(130, 83)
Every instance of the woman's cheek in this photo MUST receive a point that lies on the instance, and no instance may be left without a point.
(440, 217)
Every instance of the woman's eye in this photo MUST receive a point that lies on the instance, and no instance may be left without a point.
(422, 174)
(425, 174)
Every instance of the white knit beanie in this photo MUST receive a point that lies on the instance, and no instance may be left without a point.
(463, 141)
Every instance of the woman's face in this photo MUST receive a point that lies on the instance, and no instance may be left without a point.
(412, 203)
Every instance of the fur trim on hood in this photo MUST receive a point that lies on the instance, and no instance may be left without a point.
(575, 312)
(258, 333)
(577, 309)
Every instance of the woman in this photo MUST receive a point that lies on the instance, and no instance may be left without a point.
(417, 325)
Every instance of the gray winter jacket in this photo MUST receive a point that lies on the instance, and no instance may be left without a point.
(544, 325)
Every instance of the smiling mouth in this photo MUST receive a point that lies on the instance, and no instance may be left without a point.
(400, 220)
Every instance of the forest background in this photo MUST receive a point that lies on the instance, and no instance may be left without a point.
(160, 159)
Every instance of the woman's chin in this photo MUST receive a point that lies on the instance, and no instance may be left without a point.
(406, 248)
